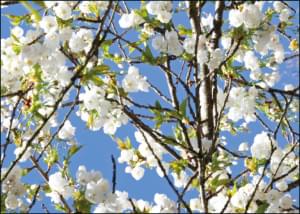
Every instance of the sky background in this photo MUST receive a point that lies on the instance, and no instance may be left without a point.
(98, 147)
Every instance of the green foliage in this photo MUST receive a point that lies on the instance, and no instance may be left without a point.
(253, 164)
(159, 115)
(187, 56)
(216, 163)
(183, 31)
(3, 208)
(73, 150)
(232, 191)
(269, 14)
(124, 144)
(106, 45)
(35, 14)
(195, 183)
(178, 165)
(16, 20)
(63, 23)
(142, 13)
(92, 115)
(80, 203)
(133, 45)
(262, 208)
(51, 157)
(182, 107)
(216, 182)
(94, 9)
(92, 75)
(60, 208)
(147, 56)
(46, 188)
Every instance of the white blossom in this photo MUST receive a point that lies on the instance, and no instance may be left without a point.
(262, 146)
(96, 191)
(216, 57)
(162, 10)
(195, 205)
(250, 16)
(81, 40)
(278, 6)
(11, 201)
(48, 24)
(134, 82)
(137, 172)
(208, 21)
(163, 204)
(83, 176)
(251, 61)
(284, 15)
(180, 180)
(242, 104)
(130, 20)
(286, 201)
(159, 43)
(126, 155)
(243, 147)
(63, 11)
(189, 45)
(60, 185)
(281, 185)
(21, 149)
(17, 31)
(235, 18)
(67, 132)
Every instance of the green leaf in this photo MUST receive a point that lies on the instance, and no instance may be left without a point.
(97, 81)
(16, 48)
(106, 45)
(187, 56)
(93, 7)
(261, 162)
(15, 20)
(64, 23)
(133, 45)
(174, 114)
(99, 69)
(178, 165)
(157, 104)
(60, 207)
(73, 150)
(158, 118)
(147, 56)
(80, 203)
(184, 31)
(262, 208)
(3, 208)
(35, 14)
(195, 183)
(124, 144)
(231, 192)
(182, 107)
(170, 142)
(46, 188)
(142, 13)
(52, 157)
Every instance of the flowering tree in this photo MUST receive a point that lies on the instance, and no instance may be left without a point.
(221, 72)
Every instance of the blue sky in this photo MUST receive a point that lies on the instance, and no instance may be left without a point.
(98, 147)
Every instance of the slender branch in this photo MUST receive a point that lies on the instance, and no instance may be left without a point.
(114, 177)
